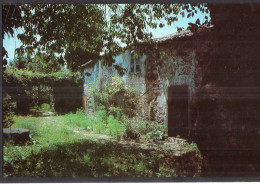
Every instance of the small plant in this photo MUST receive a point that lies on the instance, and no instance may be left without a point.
(116, 112)
(116, 94)
(102, 113)
(99, 126)
(114, 128)
(65, 130)
(45, 107)
(156, 135)
(79, 119)
(138, 128)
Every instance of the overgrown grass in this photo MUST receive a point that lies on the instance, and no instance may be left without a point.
(58, 151)
(82, 158)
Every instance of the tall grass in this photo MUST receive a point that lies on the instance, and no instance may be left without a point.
(60, 152)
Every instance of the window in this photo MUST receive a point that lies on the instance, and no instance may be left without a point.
(135, 63)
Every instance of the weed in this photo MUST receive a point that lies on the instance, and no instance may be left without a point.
(59, 152)
(45, 107)
(116, 94)
(99, 126)
(114, 128)
(79, 119)
(29, 123)
(144, 130)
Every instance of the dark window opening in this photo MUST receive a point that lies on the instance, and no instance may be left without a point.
(87, 74)
(132, 63)
(178, 111)
(135, 63)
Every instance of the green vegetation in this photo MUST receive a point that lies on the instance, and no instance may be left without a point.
(115, 128)
(16, 77)
(140, 129)
(45, 107)
(8, 110)
(58, 151)
(117, 98)
(59, 146)
(36, 88)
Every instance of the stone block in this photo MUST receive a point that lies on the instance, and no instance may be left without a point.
(17, 136)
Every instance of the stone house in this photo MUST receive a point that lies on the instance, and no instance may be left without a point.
(205, 86)
(166, 82)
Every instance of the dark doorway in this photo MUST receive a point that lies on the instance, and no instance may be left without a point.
(178, 111)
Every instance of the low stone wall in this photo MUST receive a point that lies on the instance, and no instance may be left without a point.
(16, 136)
(182, 158)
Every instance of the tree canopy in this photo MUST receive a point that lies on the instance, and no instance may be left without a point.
(11, 20)
(83, 32)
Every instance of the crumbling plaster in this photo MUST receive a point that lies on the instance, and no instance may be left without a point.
(176, 65)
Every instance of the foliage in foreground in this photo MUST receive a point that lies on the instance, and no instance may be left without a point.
(8, 111)
(81, 158)
(57, 151)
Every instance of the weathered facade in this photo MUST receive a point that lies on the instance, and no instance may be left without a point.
(174, 68)
(205, 86)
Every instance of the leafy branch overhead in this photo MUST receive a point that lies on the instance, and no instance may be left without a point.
(83, 32)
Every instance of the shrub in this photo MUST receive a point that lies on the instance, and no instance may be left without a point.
(102, 113)
(45, 107)
(116, 112)
(139, 128)
(79, 119)
(116, 94)
(114, 128)
(8, 111)
(99, 126)
(159, 133)
(100, 121)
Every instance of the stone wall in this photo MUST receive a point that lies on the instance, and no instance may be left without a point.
(177, 65)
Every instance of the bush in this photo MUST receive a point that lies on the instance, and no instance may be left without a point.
(139, 128)
(45, 107)
(114, 128)
(8, 111)
(79, 119)
(118, 95)
(116, 112)
(159, 133)
(99, 126)
(102, 113)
